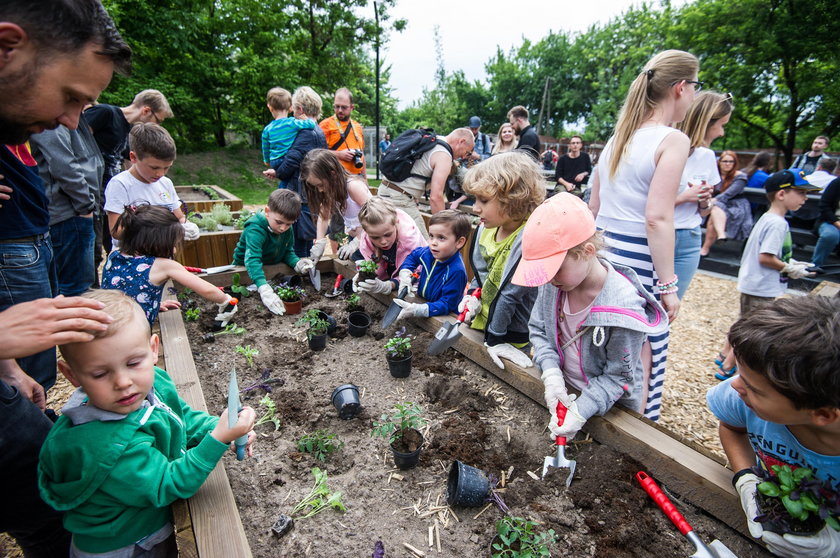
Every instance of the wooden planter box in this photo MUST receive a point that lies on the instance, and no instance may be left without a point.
(209, 250)
(197, 200)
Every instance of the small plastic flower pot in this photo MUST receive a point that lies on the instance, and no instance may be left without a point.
(318, 342)
(292, 307)
(407, 457)
(400, 367)
(283, 525)
(364, 276)
(345, 399)
(346, 286)
(466, 486)
(330, 320)
(292, 280)
(359, 323)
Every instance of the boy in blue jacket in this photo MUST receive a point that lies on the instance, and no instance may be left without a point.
(443, 276)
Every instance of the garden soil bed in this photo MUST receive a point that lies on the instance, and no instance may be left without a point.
(472, 417)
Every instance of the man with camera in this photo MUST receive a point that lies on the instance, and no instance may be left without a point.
(344, 135)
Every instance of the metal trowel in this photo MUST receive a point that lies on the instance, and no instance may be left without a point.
(559, 461)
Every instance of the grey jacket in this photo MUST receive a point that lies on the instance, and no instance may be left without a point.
(511, 309)
(622, 316)
(70, 166)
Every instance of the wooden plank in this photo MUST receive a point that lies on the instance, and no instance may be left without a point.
(826, 288)
(184, 534)
(214, 515)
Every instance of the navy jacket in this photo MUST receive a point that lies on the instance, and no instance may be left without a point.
(289, 169)
(441, 283)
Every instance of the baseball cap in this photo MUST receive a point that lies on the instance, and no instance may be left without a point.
(475, 122)
(559, 224)
(789, 178)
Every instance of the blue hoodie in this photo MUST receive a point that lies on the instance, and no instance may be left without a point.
(441, 283)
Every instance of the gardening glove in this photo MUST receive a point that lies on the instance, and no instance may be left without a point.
(373, 286)
(271, 300)
(572, 423)
(317, 250)
(303, 266)
(225, 317)
(825, 544)
(411, 310)
(190, 230)
(509, 352)
(746, 487)
(405, 279)
(346, 252)
(555, 388)
(472, 304)
(796, 270)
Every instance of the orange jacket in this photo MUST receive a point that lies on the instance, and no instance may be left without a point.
(333, 130)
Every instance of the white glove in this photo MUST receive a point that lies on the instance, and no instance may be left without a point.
(373, 286)
(271, 300)
(797, 270)
(346, 252)
(555, 388)
(472, 304)
(304, 265)
(317, 250)
(825, 544)
(411, 310)
(572, 422)
(225, 317)
(746, 487)
(405, 279)
(190, 230)
(509, 352)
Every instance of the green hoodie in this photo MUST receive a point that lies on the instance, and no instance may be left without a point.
(259, 246)
(115, 479)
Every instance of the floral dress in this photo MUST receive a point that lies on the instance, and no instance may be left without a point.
(130, 274)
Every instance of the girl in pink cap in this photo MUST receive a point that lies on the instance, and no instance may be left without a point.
(590, 318)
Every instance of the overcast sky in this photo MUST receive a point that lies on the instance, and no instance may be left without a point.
(472, 29)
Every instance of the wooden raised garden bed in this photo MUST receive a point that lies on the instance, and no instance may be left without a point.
(209, 250)
(202, 197)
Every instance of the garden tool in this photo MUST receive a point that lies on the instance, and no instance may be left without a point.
(714, 550)
(335, 291)
(234, 406)
(450, 332)
(210, 270)
(315, 277)
(394, 310)
(559, 460)
(220, 324)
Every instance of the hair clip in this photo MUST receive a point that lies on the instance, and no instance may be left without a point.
(649, 74)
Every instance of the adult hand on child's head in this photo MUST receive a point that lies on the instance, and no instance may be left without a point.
(373, 286)
(190, 230)
(746, 487)
(508, 352)
(167, 305)
(825, 544)
(271, 300)
(472, 304)
(572, 422)
(411, 310)
(346, 252)
(317, 251)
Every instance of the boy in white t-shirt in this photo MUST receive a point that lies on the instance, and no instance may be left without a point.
(145, 183)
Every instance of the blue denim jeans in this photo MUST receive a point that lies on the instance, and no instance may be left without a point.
(27, 272)
(829, 238)
(72, 242)
(686, 257)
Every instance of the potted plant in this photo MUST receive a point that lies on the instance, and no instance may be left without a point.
(354, 303)
(367, 270)
(402, 429)
(291, 296)
(398, 354)
(317, 327)
(517, 536)
(793, 501)
(237, 288)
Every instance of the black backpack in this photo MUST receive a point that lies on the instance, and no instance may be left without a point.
(397, 162)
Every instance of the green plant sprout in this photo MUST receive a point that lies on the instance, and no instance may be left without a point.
(237, 287)
(354, 300)
(184, 294)
(318, 499)
(398, 346)
(518, 538)
(320, 444)
(315, 323)
(192, 314)
(801, 494)
(367, 266)
(406, 415)
(231, 329)
(222, 214)
(270, 414)
(289, 293)
(244, 215)
(248, 352)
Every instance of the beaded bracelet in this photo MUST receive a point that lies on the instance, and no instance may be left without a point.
(672, 283)
(669, 290)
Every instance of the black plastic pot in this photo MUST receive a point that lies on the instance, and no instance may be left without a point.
(318, 342)
(466, 486)
(401, 367)
(292, 280)
(346, 286)
(364, 276)
(359, 323)
(345, 399)
(406, 458)
(283, 525)
(330, 320)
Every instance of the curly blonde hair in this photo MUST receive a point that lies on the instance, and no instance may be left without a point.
(513, 178)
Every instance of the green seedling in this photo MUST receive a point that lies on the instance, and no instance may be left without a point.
(802, 495)
(406, 415)
(208, 223)
(316, 325)
(244, 215)
(248, 352)
(320, 444)
(518, 537)
(270, 414)
(354, 301)
(289, 293)
(237, 287)
(222, 214)
(192, 314)
(367, 266)
(341, 238)
(318, 499)
(398, 346)
(231, 329)
(184, 295)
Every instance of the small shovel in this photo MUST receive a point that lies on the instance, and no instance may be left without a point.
(559, 460)
(394, 309)
(450, 332)
(715, 550)
(210, 270)
(315, 277)
(234, 406)
(335, 291)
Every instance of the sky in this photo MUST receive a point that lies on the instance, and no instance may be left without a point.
(471, 30)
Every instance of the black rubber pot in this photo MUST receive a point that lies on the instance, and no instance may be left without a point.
(359, 323)
(292, 280)
(400, 368)
(346, 286)
(364, 276)
(407, 450)
(466, 486)
(345, 399)
(330, 320)
(318, 342)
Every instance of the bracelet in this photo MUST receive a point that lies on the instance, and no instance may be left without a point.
(669, 290)
(672, 283)
(740, 474)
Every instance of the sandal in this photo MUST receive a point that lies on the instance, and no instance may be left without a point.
(719, 360)
(726, 374)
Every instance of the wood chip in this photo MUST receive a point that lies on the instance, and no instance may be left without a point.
(482, 511)
(454, 516)
(450, 411)
(503, 480)
(510, 472)
(437, 535)
(533, 475)
(415, 551)
(508, 434)
(431, 536)
(395, 476)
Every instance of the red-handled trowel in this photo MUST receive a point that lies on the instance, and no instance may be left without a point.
(450, 332)
(210, 270)
(559, 461)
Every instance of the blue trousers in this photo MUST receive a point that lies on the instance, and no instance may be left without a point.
(686, 257)
(829, 238)
(72, 242)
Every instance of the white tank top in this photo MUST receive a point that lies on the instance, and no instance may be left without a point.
(351, 215)
(624, 196)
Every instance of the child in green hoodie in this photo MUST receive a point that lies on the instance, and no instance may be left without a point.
(126, 445)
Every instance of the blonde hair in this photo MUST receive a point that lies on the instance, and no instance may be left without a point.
(121, 307)
(513, 178)
(278, 99)
(155, 100)
(708, 107)
(147, 139)
(596, 240)
(500, 144)
(377, 211)
(309, 101)
(649, 88)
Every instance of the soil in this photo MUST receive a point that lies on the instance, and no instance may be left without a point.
(472, 418)
(194, 195)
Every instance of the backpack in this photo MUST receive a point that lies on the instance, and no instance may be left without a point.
(397, 162)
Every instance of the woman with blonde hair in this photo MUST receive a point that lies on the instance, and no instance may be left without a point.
(505, 140)
(731, 213)
(635, 188)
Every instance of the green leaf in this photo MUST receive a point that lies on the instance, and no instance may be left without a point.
(794, 507)
(770, 489)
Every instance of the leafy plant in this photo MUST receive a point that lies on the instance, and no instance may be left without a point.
(406, 415)
(289, 293)
(248, 352)
(354, 301)
(518, 537)
(270, 414)
(222, 214)
(237, 287)
(192, 314)
(398, 346)
(231, 329)
(244, 215)
(803, 496)
(184, 294)
(378, 550)
(318, 499)
(315, 323)
(208, 191)
(341, 238)
(320, 444)
(367, 266)
(264, 383)
(209, 224)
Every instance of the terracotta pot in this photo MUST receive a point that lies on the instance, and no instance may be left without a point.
(293, 307)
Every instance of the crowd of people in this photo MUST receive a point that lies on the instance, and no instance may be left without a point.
(583, 291)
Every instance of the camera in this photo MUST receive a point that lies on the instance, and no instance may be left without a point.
(357, 158)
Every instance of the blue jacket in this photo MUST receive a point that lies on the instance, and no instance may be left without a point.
(289, 170)
(441, 283)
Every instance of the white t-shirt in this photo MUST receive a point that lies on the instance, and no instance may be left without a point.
(124, 189)
(770, 235)
(701, 163)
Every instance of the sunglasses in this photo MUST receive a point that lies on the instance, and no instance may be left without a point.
(698, 85)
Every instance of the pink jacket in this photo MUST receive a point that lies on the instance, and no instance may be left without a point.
(408, 238)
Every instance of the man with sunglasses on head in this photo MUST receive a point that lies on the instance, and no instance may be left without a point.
(344, 135)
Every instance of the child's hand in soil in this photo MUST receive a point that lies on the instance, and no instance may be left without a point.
(167, 305)
(244, 425)
(825, 544)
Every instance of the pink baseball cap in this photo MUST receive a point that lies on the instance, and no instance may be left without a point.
(559, 224)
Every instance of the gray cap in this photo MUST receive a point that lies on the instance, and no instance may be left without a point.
(475, 122)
